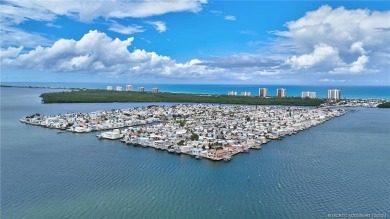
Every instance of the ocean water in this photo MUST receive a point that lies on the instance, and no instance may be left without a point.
(341, 166)
(365, 92)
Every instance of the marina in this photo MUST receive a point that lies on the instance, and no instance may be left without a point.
(215, 132)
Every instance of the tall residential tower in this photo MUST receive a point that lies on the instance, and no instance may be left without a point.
(263, 92)
(309, 94)
(281, 92)
(334, 94)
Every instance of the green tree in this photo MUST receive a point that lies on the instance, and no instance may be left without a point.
(194, 137)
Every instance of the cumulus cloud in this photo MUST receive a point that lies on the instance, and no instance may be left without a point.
(355, 67)
(230, 18)
(10, 52)
(338, 36)
(160, 26)
(322, 55)
(96, 52)
(19, 11)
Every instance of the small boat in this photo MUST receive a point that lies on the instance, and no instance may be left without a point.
(258, 147)
(171, 150)
(227, 158)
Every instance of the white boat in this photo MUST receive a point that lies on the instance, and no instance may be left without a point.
(115, 134)
(227, 158)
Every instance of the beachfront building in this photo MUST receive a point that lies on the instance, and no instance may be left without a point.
(155, 90)
(141, 89)
(245, 93)
(263, 92)
(109, 87)
(334, 94)
(281, 92)
(118, 88)
(232, 93)
(309, 94)
(129, 87)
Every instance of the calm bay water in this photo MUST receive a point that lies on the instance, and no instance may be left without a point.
(377, 92)
(341, 166)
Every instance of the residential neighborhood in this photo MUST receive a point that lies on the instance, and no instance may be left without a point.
(215, 132)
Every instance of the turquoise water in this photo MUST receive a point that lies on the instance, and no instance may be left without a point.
(377, 92)
(341, 166)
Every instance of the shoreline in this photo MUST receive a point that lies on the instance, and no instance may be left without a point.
(41, 87)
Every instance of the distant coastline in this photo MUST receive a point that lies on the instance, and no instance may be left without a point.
(40, 87)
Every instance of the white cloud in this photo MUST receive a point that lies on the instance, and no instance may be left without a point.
(11, 52)
(11, 36)
(268, 72)
(327, 80)
(53, 25)
(355, 67)
(339, 27)
(359, 64)
(97, 52)
(351, 36)
(15, 12)
(322, 55)
(126, 29)
(160, 26)
(357, 47)
(19, 11)
(230, 18)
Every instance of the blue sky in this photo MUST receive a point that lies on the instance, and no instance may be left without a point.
(196, 41)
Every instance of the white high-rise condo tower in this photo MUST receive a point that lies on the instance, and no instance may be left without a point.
(281, 92)
(309, 94)
(232, 93)
(263, 92)
(129, 87)
(334, 94)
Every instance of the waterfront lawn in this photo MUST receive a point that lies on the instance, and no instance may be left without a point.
(103, 96)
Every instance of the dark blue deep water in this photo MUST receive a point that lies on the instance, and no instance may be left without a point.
(341, 166)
